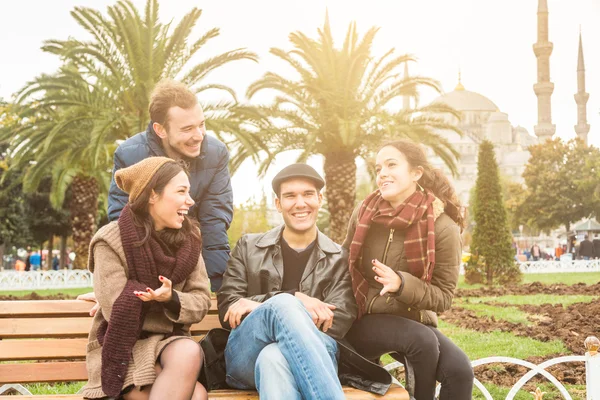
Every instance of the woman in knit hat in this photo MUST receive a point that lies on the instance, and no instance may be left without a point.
(405, 252)
(151, 284)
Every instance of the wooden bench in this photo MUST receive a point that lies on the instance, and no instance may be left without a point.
(53, 334)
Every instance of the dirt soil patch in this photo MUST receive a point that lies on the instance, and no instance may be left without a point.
(532, 288)
(35, 296)
(571, 325)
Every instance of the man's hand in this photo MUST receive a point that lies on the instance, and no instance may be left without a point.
(390, 280)
(321, 313)
(237, 310)
(162, 294)
(91, 296)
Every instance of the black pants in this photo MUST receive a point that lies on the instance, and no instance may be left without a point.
(432, 355)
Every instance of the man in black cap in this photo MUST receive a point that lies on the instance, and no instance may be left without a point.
(287, 297)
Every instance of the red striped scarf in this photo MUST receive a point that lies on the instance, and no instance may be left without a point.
(415, 216)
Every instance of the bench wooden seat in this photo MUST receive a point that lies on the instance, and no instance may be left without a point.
(45, 341)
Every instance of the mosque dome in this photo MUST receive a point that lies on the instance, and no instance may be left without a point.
(465, 100)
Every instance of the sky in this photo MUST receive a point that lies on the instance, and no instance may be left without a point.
(489, 41)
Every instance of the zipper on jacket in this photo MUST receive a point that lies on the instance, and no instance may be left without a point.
(387, 246)
(370, 308)
(383, 260)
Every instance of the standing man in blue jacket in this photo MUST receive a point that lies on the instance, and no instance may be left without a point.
(177, 130)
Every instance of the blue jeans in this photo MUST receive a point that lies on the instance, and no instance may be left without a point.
(279, 351)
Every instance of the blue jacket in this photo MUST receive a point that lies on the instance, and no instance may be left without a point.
(210, 189)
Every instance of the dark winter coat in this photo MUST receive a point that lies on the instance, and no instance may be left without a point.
(210, 189)
(416, 299)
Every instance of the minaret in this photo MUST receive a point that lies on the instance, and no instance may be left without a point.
(581, 97)
(543, 88)
(406, 98)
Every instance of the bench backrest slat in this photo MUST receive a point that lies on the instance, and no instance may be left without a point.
(43, 372)
(44, 308)
(27, 328)
(51, 349)
(55, 331)
(53, 308)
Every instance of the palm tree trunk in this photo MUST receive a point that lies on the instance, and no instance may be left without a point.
(50, 256)
(42, 256)
(84, 207)
(340, 178)
(63, 252)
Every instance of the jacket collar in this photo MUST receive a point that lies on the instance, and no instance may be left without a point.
(273, 237)
(157, 148)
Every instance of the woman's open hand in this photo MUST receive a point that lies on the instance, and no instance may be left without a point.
(387, 277)
(162, 294)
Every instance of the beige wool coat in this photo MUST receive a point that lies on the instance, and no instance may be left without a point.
(109, 266)
(417, 299)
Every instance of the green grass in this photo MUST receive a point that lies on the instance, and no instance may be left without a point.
(537, 300)
(54, 388)
(510, 314)
(47, 292)
(572, 278)
(479, 345)
(589, 278)
(577, 392)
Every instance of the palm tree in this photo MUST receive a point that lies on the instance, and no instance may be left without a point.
(70, 121)
(339, 107)
(125, 59)
(44, 144)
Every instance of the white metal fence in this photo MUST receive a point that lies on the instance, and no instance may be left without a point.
(63, 279)
(537, 267)
(592, 367)
(544, 267)
(24, 280)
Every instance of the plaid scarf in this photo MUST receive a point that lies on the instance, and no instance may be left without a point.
(144, 264)
(415, 216)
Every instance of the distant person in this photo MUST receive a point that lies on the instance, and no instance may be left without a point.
(55, 263)
(19, 265)
(559, 252)
(70, 259)
(536, 252)
(36, 261)
(586, 249)
(28, 261)
(596, 243)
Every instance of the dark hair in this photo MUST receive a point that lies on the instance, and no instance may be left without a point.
(173, 238)
(432, 179)
(167, 94)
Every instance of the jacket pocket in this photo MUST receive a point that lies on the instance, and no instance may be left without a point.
(390, 305)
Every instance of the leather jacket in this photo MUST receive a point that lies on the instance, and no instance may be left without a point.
(255, 271)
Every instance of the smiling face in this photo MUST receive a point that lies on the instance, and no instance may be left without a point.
(396, 178)
(168, 208)
(299, 202)
(183, 132)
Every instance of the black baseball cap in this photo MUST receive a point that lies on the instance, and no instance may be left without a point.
(298, 170)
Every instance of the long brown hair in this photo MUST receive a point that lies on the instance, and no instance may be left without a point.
(432, 179)
(173, 238)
